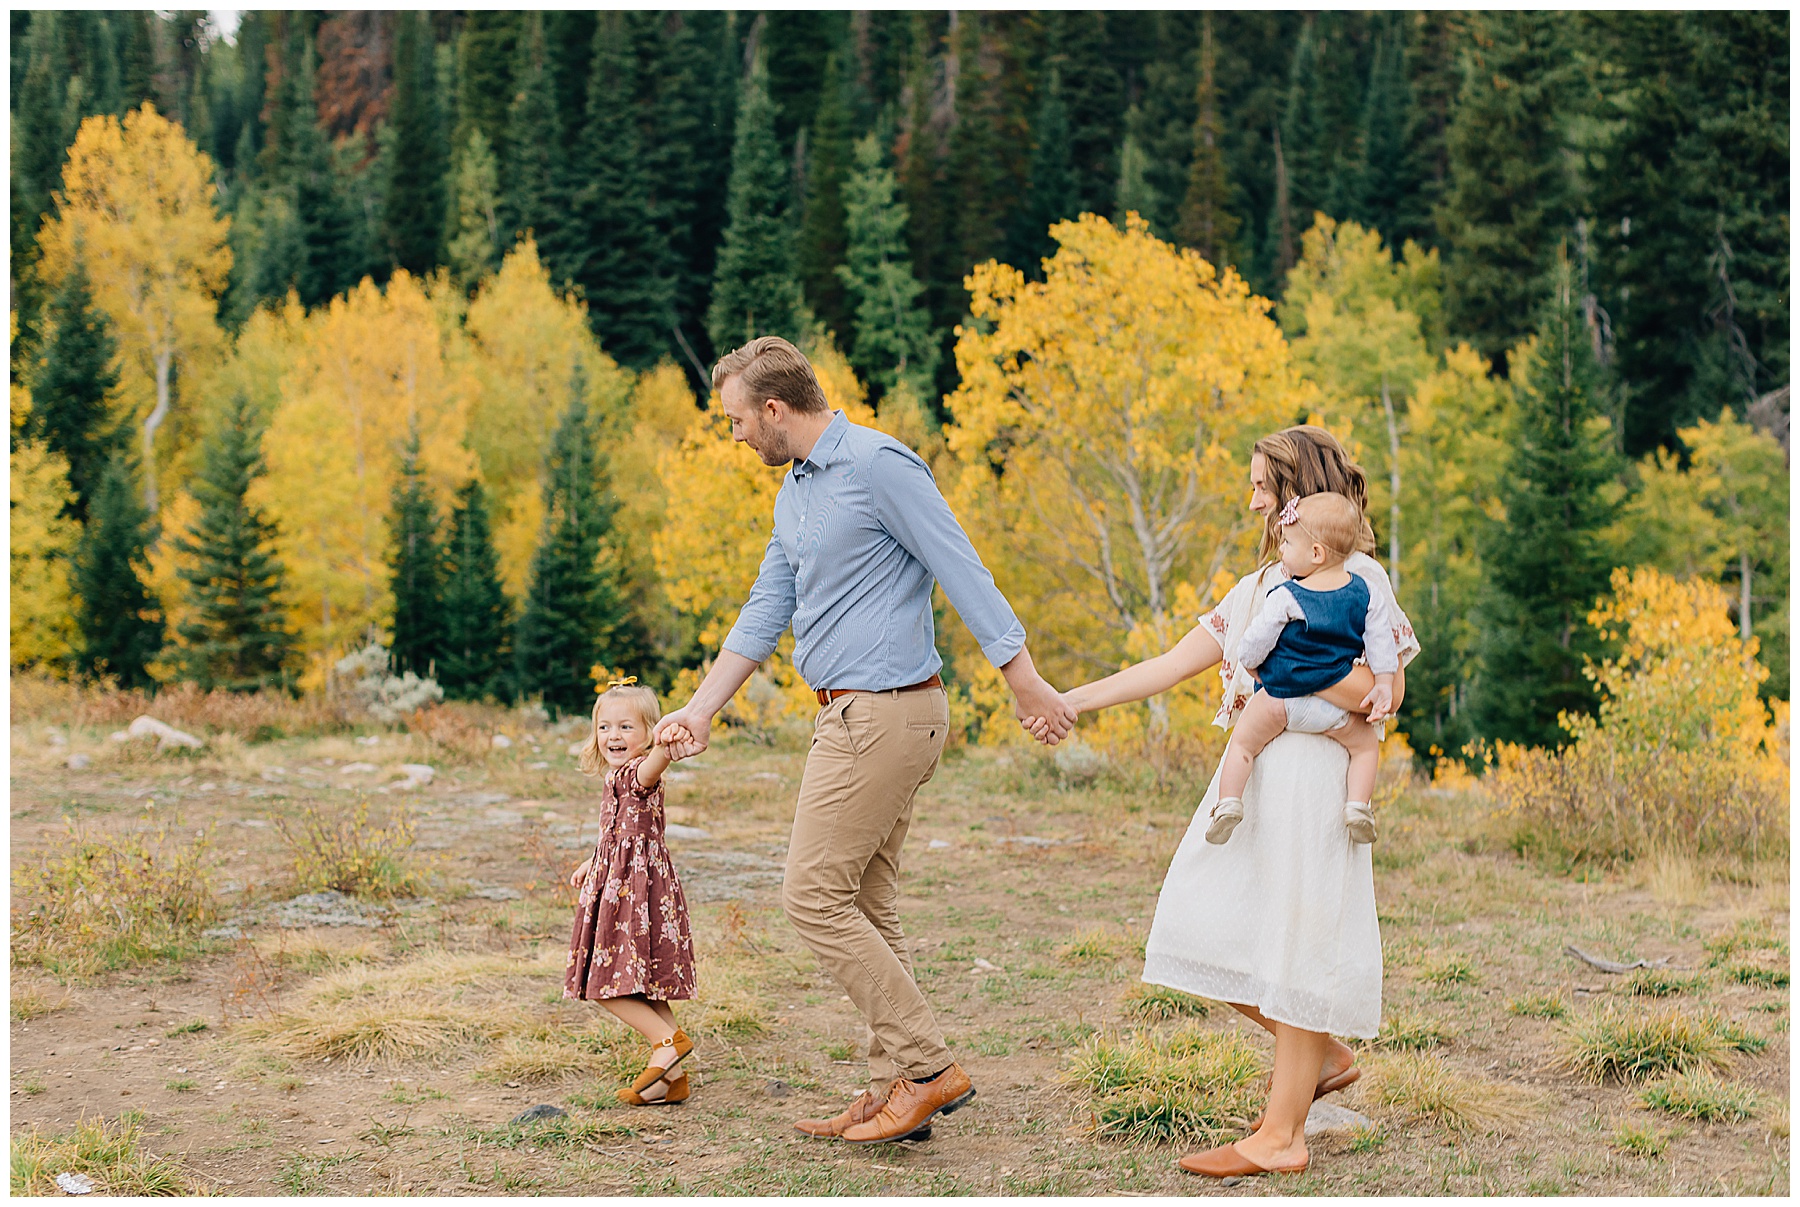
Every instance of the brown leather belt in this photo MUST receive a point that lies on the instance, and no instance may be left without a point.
(828, 694)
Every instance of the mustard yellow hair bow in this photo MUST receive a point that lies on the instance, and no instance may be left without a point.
(627, 681)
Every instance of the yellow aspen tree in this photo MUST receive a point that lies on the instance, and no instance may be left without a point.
(524, 345)
(1103, 426)
(43, 547)
(137, 203)
(370, 364)
(1354, 318)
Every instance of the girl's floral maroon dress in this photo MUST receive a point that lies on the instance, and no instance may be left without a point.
(631, 921)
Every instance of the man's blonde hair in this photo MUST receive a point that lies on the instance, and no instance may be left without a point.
(642, 699)
(1332, 520)
(770, 367)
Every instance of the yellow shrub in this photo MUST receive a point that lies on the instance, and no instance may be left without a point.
(1682, 753)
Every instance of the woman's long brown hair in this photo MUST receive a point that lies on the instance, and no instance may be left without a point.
(1303, 461)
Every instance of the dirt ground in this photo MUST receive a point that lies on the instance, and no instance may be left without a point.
(1027, 900)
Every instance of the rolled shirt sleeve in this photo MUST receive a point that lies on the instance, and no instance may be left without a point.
(910, 507)
(770, 608)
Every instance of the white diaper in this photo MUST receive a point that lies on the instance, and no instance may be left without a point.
(1314, 714)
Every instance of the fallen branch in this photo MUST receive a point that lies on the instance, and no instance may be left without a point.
(1609, 965)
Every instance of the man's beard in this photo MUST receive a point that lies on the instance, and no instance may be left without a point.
(778, 449)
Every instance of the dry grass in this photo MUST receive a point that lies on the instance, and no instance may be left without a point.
(1159, 1003)
(1659, 982)
(1093, 945)
(31, 1002)
(1408, 1031)
(110, 1154)
(435, 976)
(96, 903)
(1538, 1005)
(1640, 1141)
(384, 1031)
(1675, 878)
(1427, 1088)
(731, 1007)
(464, 731)
(343, 849)
(254, 717)
(311, 955)
(533, 1060)
(1192, 1087)
(1628, 1046)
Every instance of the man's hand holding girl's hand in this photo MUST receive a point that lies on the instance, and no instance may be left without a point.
(673, 734)
(1045, 730)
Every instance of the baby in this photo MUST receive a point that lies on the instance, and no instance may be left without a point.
(1308, 636)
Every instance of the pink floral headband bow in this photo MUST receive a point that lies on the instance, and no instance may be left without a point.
(1290, 513)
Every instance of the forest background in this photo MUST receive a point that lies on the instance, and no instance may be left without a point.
(397, 324)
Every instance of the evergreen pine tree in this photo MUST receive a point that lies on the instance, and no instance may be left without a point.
(1547, 562)
(69, 409)
(822, 236)
(893, 341)
(1050, 194)
(311, 233)
(486, 53)
(1511, 197)
(574, 609)
(413, 204)
(540, 173)
(138, 60)
(620, 255)
(755, 289)
(985, 160)
(477, 638)
(415, 568)
(1303, 161)
(120, 621)
(237, 639)
(41, 128)
(1093, 99)
(1385, 182)
(1207, 223)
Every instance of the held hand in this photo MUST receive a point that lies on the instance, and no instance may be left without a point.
(1041, 727)
(1379, 702)
(1044, 711)
(684, 732)
(580, 874)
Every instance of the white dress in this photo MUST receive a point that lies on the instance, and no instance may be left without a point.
(1281, 917)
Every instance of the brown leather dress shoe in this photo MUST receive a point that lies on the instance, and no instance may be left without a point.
(911, 1106)
(865, 1107)
(1226, 1161)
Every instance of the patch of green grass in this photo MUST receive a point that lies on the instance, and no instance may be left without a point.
(1703, 1096)
(31, 1087)
(1538, 1005)
(561, 1131)
(188, 1028)
(843, 1051)
(1747, 936)
(1091, 946)
(1453, 971)
(1761, 975)
(1159, 1003)
(109, 1153)
(1640, 1141)
(1410, 1031)
(1637, 1047)
(1659, 982)
(419, 1093)
(304, 1173)
(992, 1041)
(1192, 1086)
(1741, 1039)
(1367, 1138)
(180, 1085)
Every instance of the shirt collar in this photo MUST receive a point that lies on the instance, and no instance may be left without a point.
(827, 449)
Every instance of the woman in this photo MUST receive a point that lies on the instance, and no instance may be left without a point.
(1280, 922)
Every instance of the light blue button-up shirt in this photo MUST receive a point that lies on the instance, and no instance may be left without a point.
(861, 531)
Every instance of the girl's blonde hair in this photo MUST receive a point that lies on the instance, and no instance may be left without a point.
(1308, 460)
(1330, 519)
(648, 710)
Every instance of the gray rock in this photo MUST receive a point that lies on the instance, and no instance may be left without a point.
(500, 742)
(165, 735)
(542, 1110)
(357, 768)
(496, 893)
(228, 931)
(1330, 1117)
(536, 766)
(422, 772)
(936, 844)
(79, 762)
(675, 831)
(779, 1088)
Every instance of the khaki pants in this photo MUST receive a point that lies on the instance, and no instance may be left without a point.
(871, 751)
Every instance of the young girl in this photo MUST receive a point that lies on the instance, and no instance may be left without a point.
(630, 949)
(1306, 639)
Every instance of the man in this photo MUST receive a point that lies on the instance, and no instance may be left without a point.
(861, 532)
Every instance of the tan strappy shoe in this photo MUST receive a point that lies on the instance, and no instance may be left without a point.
(652, 1074)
